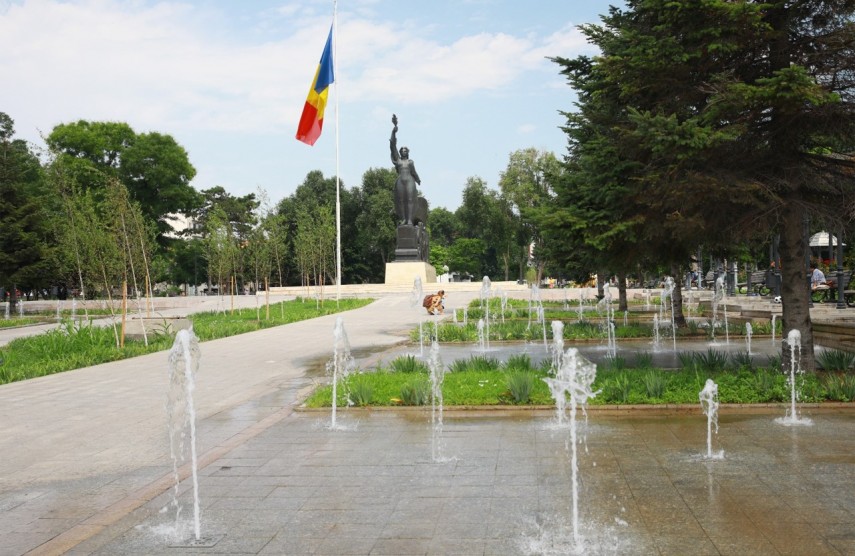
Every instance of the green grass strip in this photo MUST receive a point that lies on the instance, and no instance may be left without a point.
(479, 386)
(73, 346)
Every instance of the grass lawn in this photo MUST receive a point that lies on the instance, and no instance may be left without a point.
(73, 345)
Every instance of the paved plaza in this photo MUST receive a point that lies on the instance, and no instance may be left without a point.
(85, 467)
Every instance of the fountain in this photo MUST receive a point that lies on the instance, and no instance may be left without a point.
(792, 418)
(582, 293)
(504, 305)
(606, 303)
(417, 293)
(655, 332)
(340, 365)
(483, 339)
(773, 328)
(416, 298)
(669, 293)
(181, 412)
(574, 378)
(534, 302)
(709, 404)
(485, 293)
(557, 346)
(748, 332)
(8, 304)
(437, 374)
(718, 296)
(541, 317)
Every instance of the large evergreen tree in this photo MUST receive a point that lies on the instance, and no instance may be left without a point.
(733, 117)
(24, 246)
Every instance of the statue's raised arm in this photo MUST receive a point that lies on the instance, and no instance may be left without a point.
(393, 141)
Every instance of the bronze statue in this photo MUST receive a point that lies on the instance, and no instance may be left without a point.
(406, 194)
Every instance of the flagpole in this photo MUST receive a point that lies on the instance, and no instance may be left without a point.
(337, 173)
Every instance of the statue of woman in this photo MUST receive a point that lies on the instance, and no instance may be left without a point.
(406, 194)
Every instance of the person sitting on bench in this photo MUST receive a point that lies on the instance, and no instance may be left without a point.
(817, 278)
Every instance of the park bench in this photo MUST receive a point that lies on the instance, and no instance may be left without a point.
(828, 293)
(756, 284)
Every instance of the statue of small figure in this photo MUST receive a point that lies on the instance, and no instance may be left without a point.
(406, 194)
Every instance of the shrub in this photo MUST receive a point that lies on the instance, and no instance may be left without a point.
(643, 360)
(407, 364)
(520, 385)
(415, 392)
(688, 361)
(711, 361)
(360, 390)
(518, 362)
(774, 362)
(742, 360)
(836, 360)
(476, 363)
(764, 382)
(615, 363)
(654, 383)
(848, 386)
(840, 388)
(618, 387)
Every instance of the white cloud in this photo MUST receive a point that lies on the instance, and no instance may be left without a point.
(178, 67)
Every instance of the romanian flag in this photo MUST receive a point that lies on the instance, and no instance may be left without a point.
(312, 119)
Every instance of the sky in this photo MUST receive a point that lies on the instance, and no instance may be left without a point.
(469, 80)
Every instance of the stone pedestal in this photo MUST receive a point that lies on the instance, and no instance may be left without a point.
(412, 243)
(404, 273)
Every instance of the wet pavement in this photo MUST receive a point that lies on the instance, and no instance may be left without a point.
(499, 483)
(85, 467)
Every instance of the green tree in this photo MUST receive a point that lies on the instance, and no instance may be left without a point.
(466, 256)
(527, 184)
(315, 245)
(157, 172)
(739, 116)
(372, 240)
(482, 215)
(221, 250)
(154, 167)
(443, 226)
(25, 258)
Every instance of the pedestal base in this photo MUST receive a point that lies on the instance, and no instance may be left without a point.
(404, 273)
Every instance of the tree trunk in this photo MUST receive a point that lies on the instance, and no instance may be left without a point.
(679, 317)
(795, 291)
(622, 302)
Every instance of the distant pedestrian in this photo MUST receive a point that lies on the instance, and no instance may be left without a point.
(435, 304)
(817, 278)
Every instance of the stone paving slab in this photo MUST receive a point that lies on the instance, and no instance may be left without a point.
(502, 486)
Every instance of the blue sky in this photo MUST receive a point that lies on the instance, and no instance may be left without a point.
(468, 79)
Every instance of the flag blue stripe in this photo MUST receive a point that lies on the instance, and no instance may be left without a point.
(325, 75)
